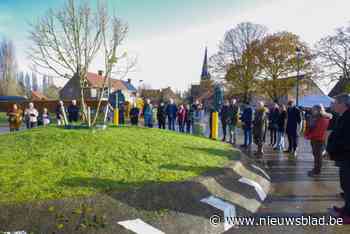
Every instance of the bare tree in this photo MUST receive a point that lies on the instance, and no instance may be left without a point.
(113, 33)
(236, 60)
(333, 53)
(67, 41)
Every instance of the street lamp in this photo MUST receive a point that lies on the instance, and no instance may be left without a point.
(299, 54)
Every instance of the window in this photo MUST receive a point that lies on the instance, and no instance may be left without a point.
(105, 93)
(93, 93)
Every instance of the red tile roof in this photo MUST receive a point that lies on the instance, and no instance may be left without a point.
(96, 81)
(38, 96)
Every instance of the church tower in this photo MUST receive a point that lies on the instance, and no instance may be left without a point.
(205, 72)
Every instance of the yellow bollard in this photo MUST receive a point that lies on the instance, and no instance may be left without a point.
(215, 125)
(116, 117)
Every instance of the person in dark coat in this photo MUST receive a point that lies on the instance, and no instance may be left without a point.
(73, 112)
(225, 117)
(333, 121)
(161, 115)
(122, 113)
(234, 112)
(171, 111)
(247, 121)
(281, 128)
(273, 124)
(260, 125)
(294, 120)
(134, 115)
(190, 109)
(338, 148)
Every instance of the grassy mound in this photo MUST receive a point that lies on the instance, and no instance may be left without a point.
(3, 118)
(52, 163)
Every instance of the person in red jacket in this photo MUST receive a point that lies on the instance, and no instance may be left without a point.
(181, 116)
(316, 131)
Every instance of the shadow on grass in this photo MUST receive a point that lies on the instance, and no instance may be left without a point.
(103, 185)
(183, 196)
(151, 195)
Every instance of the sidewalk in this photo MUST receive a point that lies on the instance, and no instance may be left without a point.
(294, 194)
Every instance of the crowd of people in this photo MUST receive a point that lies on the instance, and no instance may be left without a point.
(279, 121)
(175, 117)
(32, 118)
(328, 132)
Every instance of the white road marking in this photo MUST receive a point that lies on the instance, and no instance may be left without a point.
(257, 187)
(17, 232)
(262, 171)
(228, 209)
(139, 227)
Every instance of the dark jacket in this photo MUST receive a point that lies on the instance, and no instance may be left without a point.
(333, 121)
(73, 113)
(190, 114)
(225, 114)
(338, 146)
(234, 114)
(281, 121)
(134, 112)
(161, 113)
(171, 111)
(293, 119)
(59, 112)
(247, 117)
(260, 126)
(273, 118)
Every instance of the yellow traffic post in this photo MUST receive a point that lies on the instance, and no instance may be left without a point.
(116, 117)
(215, 125)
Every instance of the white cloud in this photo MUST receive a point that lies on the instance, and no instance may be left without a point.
(175, 59)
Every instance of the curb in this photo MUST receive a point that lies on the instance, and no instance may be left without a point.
(195, 206)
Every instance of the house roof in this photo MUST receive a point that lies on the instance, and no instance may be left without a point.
(38, 96)
(342, 86)
(96, 81)
(129, 86)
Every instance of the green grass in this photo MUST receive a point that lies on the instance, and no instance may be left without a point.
(3, 118)
(52, 163)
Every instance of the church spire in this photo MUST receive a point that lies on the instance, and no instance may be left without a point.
(205, 72)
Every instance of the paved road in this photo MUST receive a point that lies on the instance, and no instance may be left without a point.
(294, 194)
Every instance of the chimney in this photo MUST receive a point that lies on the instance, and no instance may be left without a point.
(100, 72)
(129, 81)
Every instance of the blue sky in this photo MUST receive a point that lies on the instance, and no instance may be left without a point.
(169, 36)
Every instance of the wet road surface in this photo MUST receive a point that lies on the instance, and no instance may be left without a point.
(295, 194)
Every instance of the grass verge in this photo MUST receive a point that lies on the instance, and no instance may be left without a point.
(52, 163)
